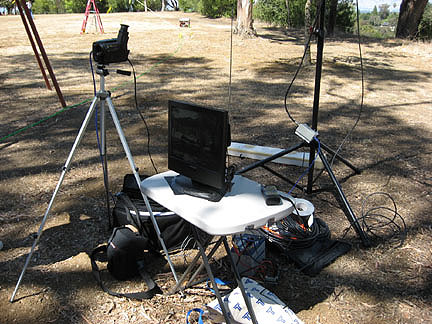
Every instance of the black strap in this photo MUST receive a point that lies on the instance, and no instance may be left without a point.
(133, 219)
(128, 205)
(153, 288)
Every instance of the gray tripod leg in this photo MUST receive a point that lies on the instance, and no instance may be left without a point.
(138, 181)
(64, 170)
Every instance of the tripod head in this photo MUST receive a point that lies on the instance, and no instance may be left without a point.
(102, 70)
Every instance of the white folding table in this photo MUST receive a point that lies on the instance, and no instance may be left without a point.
(241, 209)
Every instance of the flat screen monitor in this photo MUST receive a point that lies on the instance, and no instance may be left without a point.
(198, 138)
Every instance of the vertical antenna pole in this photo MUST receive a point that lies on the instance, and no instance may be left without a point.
(320, 50)
(230, 68)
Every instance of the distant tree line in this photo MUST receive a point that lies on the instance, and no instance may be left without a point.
(413, 21)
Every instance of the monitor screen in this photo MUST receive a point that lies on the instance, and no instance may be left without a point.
(198, 138)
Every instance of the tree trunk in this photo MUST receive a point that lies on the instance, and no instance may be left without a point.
(145, 6)
(244, 19)
(332, 17)
(410, 14)
(288, 13)
(307, 31)
(163, 5)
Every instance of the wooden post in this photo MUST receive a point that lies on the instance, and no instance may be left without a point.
(43, 53)
(33, 45)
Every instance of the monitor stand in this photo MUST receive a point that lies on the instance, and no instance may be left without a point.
(182, 185)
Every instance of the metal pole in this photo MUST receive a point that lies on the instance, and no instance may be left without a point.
(320, 50)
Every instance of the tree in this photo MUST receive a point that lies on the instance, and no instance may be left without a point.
(307, 31)
(288, 13)
(215, 9)
(244, 19)
(410, 14)
(425, 26)
(332, 17)
(384, 10)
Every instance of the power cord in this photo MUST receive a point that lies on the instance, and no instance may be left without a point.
(313, 27)
(142, 118)
(288, 234)
(381, 222)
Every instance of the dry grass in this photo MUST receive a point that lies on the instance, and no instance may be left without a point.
(382, 284)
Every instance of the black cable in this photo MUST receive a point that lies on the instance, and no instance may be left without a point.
(313, 27)
(92, 73)
(288, 234)
(376, 223)
(291, 233)
(142, 118)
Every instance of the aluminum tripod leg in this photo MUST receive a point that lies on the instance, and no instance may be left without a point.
(104, 159)
(138, 181)
(64, 170)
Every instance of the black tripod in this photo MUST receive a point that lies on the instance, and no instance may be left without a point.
(313, 143)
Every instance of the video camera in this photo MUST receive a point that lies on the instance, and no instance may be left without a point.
(112, 50)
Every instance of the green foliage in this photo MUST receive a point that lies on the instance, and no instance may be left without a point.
(345, 16)
(76, 5)
(119, 5)
(209, 8)
(214, 9)
(425, 27)
(371, 25)
(44, 6)
(189, 5)
(297, 10)
(6, 4)
(154, 5)
(370, 31)
(275, 12)
(384, 10)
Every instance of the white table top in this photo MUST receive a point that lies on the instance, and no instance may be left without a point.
(242, 208)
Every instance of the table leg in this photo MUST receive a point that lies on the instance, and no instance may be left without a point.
(239, 282)
(192, 264)
(215, 287)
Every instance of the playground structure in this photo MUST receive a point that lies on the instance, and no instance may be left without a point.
(96, 15)
(25, 13)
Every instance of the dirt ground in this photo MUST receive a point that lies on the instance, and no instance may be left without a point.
(389, 282)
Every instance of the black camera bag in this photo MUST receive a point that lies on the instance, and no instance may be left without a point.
(174, 229)
(125, 255)
(129, 203)
(125, 248)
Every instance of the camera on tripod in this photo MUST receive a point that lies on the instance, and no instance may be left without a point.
(112, 50)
